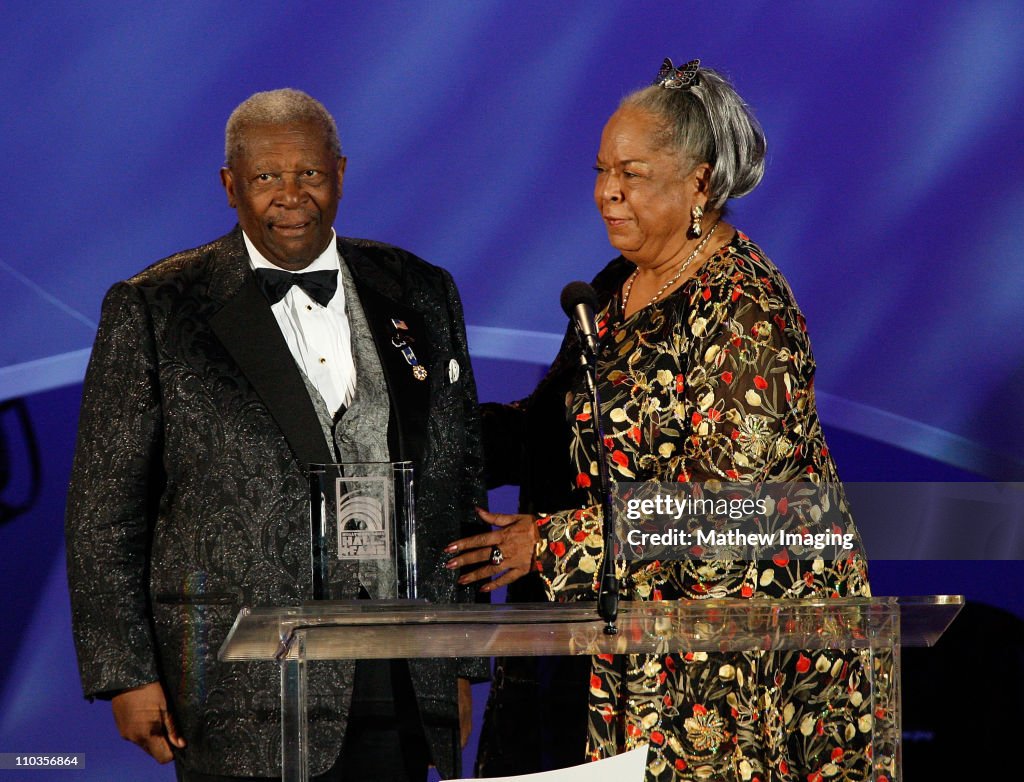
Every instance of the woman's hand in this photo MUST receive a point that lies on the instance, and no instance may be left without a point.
(514, 540)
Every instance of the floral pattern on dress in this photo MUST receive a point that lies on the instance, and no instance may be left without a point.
(716, 382)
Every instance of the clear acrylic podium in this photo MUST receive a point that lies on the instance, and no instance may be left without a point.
(330, 630)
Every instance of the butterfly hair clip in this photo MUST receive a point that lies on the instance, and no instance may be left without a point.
(672, 78)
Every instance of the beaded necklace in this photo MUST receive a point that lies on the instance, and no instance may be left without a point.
(628, 288)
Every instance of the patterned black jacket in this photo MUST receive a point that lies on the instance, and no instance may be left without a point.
(188, 497)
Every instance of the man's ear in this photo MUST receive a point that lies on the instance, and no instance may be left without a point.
(342, 160)
(228, 180)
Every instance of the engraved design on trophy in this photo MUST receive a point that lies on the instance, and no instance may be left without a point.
(363, 539)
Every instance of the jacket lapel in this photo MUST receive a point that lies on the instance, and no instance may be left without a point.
(380, 294)
(247, 329)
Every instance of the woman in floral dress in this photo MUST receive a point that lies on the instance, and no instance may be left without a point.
(705, 374)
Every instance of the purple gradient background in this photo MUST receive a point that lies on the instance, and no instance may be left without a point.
(892, 200)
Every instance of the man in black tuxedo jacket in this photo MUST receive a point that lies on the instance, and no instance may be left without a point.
(215, 379)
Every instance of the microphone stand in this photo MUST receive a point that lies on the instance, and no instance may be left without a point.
(608, 595)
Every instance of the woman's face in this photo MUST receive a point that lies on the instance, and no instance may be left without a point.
(643, 190)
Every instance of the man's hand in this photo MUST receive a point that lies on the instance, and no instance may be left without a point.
(465, 711)
(142, 718)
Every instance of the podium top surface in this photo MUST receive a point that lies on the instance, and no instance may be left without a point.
(365, 629)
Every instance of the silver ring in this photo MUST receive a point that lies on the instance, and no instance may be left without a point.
(496, 556)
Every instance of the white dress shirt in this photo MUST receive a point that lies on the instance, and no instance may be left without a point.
(318, 337)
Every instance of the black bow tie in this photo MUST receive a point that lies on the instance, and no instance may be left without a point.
(275, 284)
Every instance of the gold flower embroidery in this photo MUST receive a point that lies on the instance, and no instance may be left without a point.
(755, 436)
(704, 729)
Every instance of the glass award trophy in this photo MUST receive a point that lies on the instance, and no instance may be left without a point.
(362, 520)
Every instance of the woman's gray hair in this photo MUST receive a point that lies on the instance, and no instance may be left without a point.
(709, 123)
(277, 107)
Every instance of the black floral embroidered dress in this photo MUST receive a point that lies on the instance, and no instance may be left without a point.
(716, 382)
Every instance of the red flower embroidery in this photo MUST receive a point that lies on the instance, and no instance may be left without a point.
(706, 294)
(837, 755)
(695, 419)
(680, 764)
(595, 681)
(634, 432)
(760, 383)
(781, 558)
(746, 590)
(699, 710)
(679, 384)
(803, 663)
(620, 458)
(714, 414)
(657, 737)
(582, 480)
(783, 505)
(557, 548)
(727, 377)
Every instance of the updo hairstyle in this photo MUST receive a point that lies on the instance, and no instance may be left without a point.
(709, 123)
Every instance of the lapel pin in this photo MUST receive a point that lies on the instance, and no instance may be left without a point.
(418, 370)
(453, 371)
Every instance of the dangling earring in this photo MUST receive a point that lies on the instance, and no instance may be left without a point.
(695, 229)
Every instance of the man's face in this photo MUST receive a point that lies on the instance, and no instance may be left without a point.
(285, 184)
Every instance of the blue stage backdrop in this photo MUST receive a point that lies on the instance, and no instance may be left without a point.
(892, 200)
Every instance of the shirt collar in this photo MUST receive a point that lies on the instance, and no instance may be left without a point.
(328, 260)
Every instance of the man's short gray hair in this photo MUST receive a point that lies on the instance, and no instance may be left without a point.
(710, 123)
(277, 107)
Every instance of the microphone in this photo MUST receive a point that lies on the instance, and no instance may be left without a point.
(579, 302)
